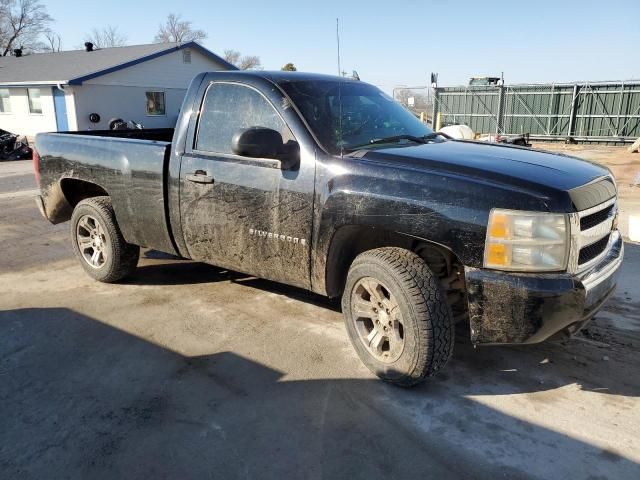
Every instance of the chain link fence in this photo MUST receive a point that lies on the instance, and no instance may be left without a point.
(583, 111)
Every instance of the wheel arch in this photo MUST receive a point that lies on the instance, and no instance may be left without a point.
(66, 194)
(349, 241)
(76, 190)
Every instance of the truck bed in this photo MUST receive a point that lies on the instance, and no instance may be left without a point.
(129, 165)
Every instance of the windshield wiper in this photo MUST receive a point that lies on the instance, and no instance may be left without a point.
(433, 135)
(395, 138)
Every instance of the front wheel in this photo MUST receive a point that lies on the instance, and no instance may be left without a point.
(397, 316)
(98, 243)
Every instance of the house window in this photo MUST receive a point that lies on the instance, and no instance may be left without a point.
(35, 103)
(155, 103)
(5, 101)
(186, 56)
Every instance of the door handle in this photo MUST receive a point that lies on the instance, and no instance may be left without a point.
(200, 176)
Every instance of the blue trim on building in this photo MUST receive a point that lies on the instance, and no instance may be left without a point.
(194, 45)
(60, 107)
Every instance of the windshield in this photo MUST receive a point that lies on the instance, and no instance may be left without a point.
(368, 114)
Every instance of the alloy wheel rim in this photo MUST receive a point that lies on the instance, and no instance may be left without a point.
(377, 320)
(92, 241)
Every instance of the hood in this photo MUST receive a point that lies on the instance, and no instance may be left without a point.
(499, 163)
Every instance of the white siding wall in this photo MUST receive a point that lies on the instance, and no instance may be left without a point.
(121, 94)
(128, 103)
(167, 71)
(70, 101)
(118, 94)
(21, 122)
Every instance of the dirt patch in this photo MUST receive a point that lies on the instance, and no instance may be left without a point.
(624, 164)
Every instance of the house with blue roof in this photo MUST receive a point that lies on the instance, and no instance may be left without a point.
(87, 89)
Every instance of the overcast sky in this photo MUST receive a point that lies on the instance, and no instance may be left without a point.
(394, 43)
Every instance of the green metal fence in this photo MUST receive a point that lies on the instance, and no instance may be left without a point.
(584, 111)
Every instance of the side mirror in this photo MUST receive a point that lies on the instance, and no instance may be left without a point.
(260, 142)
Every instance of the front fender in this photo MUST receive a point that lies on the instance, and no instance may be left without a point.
(458, 228)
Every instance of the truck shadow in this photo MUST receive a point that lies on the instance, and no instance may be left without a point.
(180, 272)
(82, 399)
(186, 272)
(161, 269)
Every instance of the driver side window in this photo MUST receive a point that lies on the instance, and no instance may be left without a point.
(228, 108)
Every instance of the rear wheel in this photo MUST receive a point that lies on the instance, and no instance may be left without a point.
(397, 316)
(98, 242)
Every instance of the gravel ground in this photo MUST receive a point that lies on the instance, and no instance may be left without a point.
(188, 371)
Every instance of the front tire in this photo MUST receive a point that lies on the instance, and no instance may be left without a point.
(397, 316)
(98, 242)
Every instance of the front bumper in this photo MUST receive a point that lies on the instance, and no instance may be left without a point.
(529, 308)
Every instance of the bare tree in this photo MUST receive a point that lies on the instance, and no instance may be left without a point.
(289, 67)
(250, 62)
(402, 96)
(106, 37)
(177, 30)
(53, 41)
(232, 56)
(21, 22)
(247, 62)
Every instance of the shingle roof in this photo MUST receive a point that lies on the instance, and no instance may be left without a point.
(78, 65)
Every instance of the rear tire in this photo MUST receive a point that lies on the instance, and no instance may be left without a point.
(98, 242)
(397, 316)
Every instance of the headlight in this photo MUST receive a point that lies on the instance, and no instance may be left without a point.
(526, 241)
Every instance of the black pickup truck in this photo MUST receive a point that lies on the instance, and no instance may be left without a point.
(327, 184)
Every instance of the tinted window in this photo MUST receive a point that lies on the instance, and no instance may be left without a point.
(228, 108)
(349, 113)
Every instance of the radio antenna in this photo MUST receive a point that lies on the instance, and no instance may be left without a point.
(339, 90)
(338, 41)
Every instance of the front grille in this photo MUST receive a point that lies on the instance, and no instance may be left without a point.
(592, 251)
(595, 218)
(591, 231)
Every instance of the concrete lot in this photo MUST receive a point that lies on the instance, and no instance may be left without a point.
(187, 371)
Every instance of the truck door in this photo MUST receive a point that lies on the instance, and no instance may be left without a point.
(241, 213)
